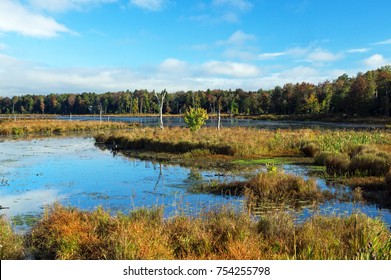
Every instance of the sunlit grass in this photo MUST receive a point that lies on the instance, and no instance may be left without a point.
(11, 244)
(48, 127)
(223, 233)
(243, 142)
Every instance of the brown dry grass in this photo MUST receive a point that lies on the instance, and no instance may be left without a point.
(47, 127)
(11, 245)
(221, 234)
(244, 142)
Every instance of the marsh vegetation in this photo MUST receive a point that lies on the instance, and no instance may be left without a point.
(358, 159)
(68, 233)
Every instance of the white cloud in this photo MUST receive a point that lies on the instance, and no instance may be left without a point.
(375, 61)
(239, 54)
(266, 56)
(298, 51)
(299, 74)
(151, 5)
(19, 77)
(65, 5)
(232, 69)
(293, 75)
(385, 42)
(362, 50)
(173, 66)
(2, 46)
(239, 38)
(17, 18)
(320, 55)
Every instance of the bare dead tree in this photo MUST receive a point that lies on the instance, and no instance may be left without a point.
(160, 101)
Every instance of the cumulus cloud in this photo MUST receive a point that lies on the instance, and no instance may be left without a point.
(173, 66)
(151, 5)
(17, 18)
(375, 61)
(238, 38)
(320, 55)
(21, 77)
(232, 69)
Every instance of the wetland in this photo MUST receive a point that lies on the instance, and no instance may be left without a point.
(267, 180)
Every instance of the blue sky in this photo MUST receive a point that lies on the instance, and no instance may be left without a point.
(61, 46)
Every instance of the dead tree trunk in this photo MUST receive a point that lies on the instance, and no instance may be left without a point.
(219, 113)
(160, 101)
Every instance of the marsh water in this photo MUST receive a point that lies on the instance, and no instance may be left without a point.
(73, 171)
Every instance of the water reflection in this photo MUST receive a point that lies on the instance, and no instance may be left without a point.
(74, 172)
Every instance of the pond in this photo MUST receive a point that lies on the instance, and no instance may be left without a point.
(74, 172)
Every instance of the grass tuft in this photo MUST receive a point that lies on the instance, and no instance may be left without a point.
(11, 244)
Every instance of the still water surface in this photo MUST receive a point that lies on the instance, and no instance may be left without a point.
(74, 172)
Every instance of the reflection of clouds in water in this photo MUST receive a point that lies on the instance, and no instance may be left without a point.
(44, 146)
(27, 202)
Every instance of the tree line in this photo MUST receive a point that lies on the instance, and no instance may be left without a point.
(365, 94)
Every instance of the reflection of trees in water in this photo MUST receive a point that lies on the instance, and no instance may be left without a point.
(160, 177)
(4, 182)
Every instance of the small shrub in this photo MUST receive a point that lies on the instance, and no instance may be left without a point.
(195, 118)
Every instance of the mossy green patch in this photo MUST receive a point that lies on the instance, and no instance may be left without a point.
(271, 161)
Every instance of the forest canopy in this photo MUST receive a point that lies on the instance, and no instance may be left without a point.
(365, 94)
